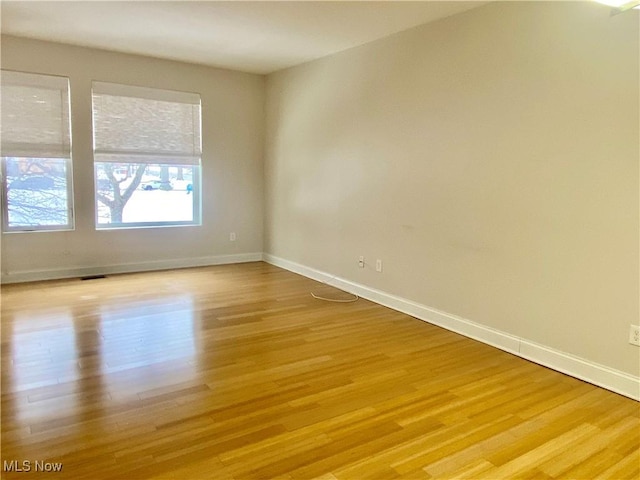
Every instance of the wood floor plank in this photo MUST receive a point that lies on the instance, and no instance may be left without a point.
(236, 372)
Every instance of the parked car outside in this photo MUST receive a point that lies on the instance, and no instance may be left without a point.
(38, 182)
(156, 185)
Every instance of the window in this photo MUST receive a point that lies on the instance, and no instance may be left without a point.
(147, 149)
(36, 152)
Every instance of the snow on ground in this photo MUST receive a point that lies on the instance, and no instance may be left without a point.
(154, 206)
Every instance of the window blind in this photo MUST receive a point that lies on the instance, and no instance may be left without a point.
(35, 115)
(145, 125)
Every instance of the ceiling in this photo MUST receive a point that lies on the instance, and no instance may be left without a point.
(257, 37)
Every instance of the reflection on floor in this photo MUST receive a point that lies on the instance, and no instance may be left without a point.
(237, 372)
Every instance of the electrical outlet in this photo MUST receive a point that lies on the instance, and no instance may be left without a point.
(378, 265)
(361, 261)
(634, 335)
(232, 237)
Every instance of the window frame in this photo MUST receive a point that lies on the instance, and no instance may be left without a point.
(4, 187)
(149, 158)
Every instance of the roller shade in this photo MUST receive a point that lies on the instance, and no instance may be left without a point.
(35, 115)
(145, 125)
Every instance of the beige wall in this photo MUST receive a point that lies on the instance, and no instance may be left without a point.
(232, 164)
(489, 159)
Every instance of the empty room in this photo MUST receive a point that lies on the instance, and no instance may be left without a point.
(333, 240)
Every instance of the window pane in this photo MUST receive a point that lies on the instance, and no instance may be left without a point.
(134, 194)
(35, 138)
(37, 193)
(147, 149)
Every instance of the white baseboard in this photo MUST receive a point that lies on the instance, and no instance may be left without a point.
(600, 375)
(74, 272)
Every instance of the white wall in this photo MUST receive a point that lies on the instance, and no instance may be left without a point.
(232, 166)
(489, 159)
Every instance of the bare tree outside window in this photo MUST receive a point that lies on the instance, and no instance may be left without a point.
(36, 192)
(138, 193)
(116, 190)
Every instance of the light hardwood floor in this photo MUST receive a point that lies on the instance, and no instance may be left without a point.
(236, 372)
